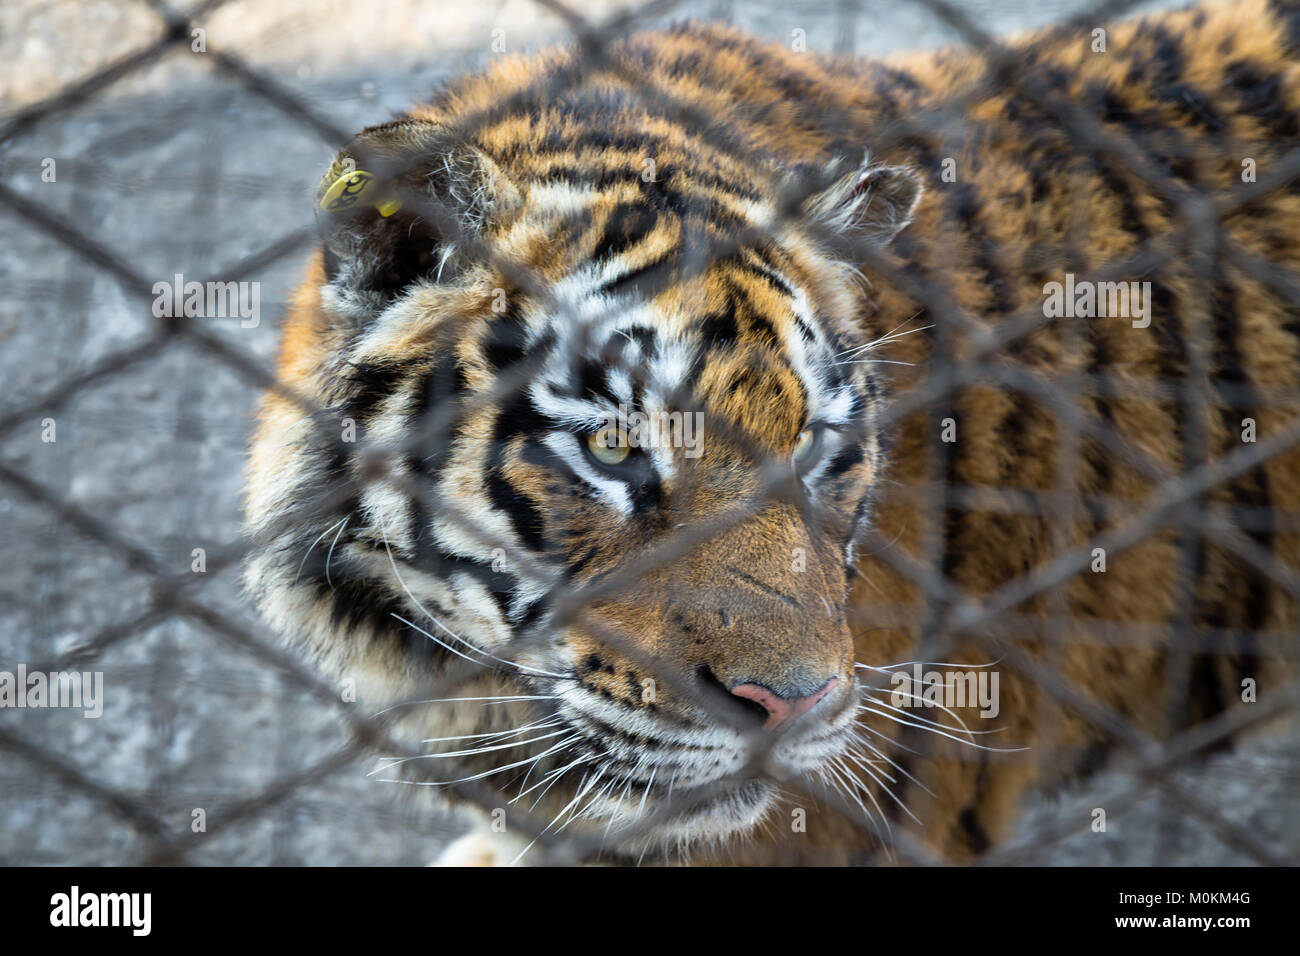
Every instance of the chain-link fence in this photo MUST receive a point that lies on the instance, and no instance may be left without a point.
(122, 470)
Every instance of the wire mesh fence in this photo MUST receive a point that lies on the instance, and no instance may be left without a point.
(182, 774)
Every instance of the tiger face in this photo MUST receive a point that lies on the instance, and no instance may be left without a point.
(626, 456)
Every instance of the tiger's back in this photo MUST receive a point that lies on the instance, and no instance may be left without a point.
(1145, 165)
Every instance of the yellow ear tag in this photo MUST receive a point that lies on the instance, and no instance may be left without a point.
(351, 188)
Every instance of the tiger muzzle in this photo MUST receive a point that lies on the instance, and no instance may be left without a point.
(748, 626)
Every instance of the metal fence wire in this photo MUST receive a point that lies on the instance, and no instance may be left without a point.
(139, 797)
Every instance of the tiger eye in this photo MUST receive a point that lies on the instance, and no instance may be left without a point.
(804, 446)
(608, 446)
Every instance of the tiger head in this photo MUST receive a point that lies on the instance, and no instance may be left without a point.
(612, 441)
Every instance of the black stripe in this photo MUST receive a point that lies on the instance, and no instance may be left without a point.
(757, 325)
(1249, 488)
(646, 337)
(535, 453)
(843, 460)
(719, 329)
(443, 384)
(369, 383)
(500, 585)
(977, 840)
(1287, 13)
(524, 517)
(358, 605)
(518, 417)
(1092, 760)
(631, 281)
(591, 136)
(1260, 94)
(626, 225)
(593, 380)
(506, 339)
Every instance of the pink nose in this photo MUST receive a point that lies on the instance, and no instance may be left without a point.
(781, 711)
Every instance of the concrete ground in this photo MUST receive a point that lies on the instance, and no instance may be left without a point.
(179, 169)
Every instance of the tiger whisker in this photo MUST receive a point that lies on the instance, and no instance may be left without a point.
(955, 716)
(940, 733)
(457, 700)
(583, 786)
(876, 362)
(858, 785)
(888, 667)
(626, 780)
(396, 761)
(893, 763)
(469, 779)
(402, 581)
(889, 336)
(553, 775)
(495, 733)
(947, 710)
(584, 812)
(329, 556)
(312, 547)
(865, 765)
(837, 785)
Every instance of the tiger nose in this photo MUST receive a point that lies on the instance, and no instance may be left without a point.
(782, 711)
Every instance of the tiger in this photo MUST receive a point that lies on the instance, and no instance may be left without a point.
(978, 361)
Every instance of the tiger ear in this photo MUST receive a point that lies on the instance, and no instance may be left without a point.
(868, 206)
(396, 205)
